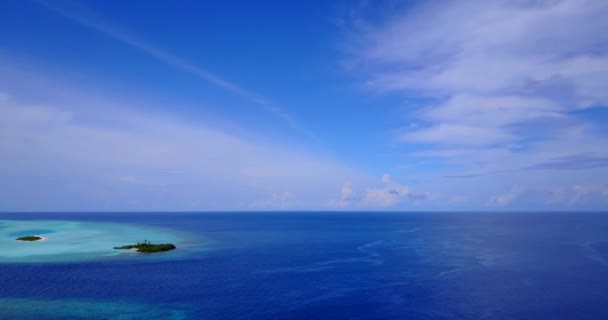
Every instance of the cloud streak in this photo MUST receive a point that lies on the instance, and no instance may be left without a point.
(87, 18)
(575, 162)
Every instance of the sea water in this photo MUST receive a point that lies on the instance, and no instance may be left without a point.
(64, 241)
(312, 266)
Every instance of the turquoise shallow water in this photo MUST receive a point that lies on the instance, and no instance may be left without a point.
(69, 241)
(43, 309)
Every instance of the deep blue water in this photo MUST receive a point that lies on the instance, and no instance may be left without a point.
(333, 266)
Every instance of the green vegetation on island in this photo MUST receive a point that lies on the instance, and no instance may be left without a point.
(29, 238)
(148, 247)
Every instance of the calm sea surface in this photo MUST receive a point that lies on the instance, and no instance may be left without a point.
(331, 266)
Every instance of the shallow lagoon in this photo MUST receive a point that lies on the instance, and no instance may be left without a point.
(42, 309)
(70, 241)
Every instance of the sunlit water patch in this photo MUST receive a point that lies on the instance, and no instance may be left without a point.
(69, 241)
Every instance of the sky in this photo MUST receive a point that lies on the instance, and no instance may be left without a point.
(310, 105)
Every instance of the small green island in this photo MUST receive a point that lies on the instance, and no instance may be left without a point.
(147, 247)
(29, 238)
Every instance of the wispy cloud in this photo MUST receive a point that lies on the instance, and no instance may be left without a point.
(86, 17)
(502, 81)
(134, 160)
(575, 162)
(492, 64)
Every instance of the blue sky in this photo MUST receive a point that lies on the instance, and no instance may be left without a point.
(277, 105)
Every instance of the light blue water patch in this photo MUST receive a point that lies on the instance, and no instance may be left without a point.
(41, 309)
(30, 232)
(69, 241)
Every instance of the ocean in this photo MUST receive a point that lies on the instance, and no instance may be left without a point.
(315, 265)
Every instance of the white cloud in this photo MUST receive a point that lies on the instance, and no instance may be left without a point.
(503, 84)
(347, 196)
(457, 134)
(496, 50)
(505, 199)
(277, 200)
(483, 47)
(389, 195)
(115, 159)
(492, 110)
(492, 64)
(578, 194)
